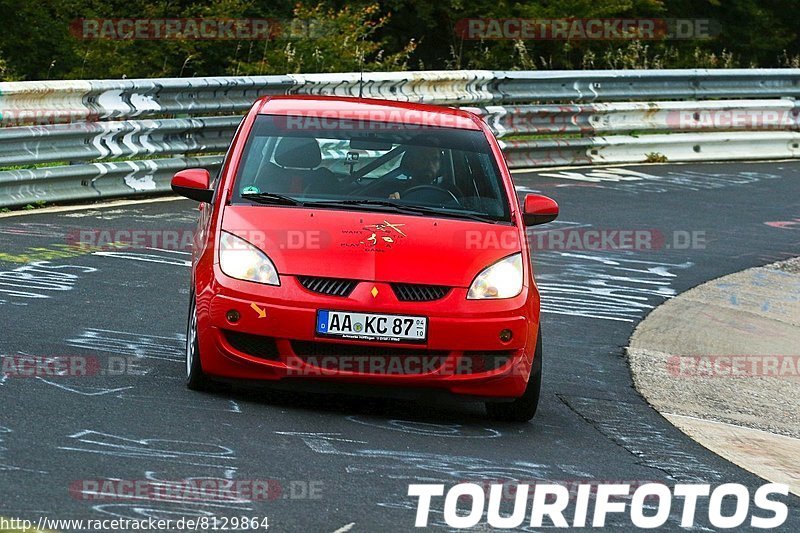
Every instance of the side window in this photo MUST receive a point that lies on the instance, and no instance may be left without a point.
(254, 165)
(218, 174)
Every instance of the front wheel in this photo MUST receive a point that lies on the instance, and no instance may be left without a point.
(196, 379)
(522, 409)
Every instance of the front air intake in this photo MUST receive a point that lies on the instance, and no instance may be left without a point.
(419, 293)
(328, 286)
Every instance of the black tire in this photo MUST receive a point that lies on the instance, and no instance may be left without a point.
(196, 379)
(522, 409)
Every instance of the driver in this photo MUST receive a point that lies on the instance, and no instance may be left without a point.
(420, 165)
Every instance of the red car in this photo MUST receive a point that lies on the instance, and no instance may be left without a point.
(357, 243)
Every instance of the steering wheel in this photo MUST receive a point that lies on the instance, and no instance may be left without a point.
(441, 195)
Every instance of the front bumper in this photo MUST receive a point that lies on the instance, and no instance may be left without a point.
(463, 353)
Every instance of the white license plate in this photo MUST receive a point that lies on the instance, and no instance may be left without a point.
(371, 327)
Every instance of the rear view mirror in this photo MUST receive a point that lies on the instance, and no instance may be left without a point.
(539, 209)
(370, 144)
(193, 183)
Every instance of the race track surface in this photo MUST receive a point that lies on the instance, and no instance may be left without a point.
(343, 460)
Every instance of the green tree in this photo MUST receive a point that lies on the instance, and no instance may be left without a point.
(324, 39)
(37, 41)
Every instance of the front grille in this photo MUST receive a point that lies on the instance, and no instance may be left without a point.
(329, 286)
(255, 345)
(419, 293)
(369, 359)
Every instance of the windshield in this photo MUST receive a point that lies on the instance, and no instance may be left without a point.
(423, 169)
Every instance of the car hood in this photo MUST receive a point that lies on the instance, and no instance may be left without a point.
(372, 246)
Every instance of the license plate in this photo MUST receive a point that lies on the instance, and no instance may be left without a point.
(371, 327)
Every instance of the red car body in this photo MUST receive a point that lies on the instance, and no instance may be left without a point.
(273, 337)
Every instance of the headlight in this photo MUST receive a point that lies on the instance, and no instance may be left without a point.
(501, 280)
(241, 260)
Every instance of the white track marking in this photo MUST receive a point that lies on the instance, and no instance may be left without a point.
(68, 208)
(99, 391)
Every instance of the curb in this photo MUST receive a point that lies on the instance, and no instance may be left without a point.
(88, 206)
(721, 362)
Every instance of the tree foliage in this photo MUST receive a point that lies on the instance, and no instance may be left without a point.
(37, 41)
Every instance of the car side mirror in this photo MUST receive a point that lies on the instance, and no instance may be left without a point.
(539, 209)
(193, 183)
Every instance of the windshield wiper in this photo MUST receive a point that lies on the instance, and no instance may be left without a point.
(404, 208)
(271, 198)
(381, 203)
(462, 214)
(370, 204)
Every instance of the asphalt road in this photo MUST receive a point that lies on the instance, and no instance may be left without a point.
(343, 461)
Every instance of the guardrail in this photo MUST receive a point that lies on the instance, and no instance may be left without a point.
(102, 138)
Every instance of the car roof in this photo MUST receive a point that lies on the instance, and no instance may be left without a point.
(369, 109)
